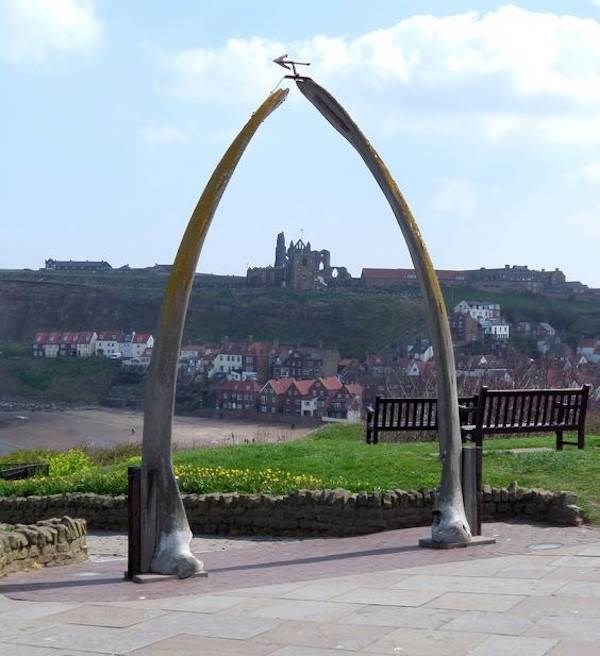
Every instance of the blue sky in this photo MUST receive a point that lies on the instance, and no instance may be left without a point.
(115, 113)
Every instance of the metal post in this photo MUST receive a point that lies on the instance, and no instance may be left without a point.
(471, 470)
(134, 544)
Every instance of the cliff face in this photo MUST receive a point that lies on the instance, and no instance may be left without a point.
(27, 307)
(355, 321)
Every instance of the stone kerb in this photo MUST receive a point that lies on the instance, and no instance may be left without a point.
(305, 512)
(46, 543)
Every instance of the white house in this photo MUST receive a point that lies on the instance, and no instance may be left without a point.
(85, 344)
(479, 310)
(227, 360)
(139, 343)
(191, 352)
(422, 352)
(497, 328)
(110, 343)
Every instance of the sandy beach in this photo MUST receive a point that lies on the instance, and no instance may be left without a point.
(106, 427)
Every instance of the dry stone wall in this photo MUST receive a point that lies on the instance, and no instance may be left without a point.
(48, 542)
(305, 512)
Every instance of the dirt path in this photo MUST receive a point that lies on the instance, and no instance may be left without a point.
(103, 427)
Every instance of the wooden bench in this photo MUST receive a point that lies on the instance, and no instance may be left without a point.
(508, 412)
(397, 415)
(491, 412)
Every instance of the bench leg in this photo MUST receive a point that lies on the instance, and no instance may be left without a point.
(559, 440)
(581, 438)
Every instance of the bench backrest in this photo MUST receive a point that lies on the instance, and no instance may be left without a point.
(524, 411)
(407, 414)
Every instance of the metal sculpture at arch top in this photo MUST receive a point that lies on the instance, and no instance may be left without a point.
(165, 532)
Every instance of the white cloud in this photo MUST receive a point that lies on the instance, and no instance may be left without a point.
(589, 173)
(455, 196)
(531, 52)
(508, 71)
(32, 30)
(162, 134)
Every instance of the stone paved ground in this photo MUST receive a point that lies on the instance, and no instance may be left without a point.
(368, 595)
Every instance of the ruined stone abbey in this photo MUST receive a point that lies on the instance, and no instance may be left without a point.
(298, 267)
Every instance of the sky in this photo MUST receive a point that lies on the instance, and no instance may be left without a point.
(114, 115)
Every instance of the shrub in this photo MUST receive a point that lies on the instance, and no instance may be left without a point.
(70, 462)
(191, 479)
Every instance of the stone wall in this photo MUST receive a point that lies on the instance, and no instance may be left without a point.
(306, 512)
(47, 542)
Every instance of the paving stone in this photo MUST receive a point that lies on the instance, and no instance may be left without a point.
(554, 606)
(276, 590)
(491, 585)
(590, 550)
(415, 642)
(13, 629)
(475, 601)
(481, 622)
(97, 615)
(574, 574)
(384, 579)
(86, 638)
(109, 640)
(311, 651)
(580, 589)
(324, 635)
(528, 572)
(387, 597)
(574, 648)
(579, 561)
(322, 590)
(202, 603)
(26, 650)
(400, 616)
(510, 645)
(585, 629)
(189, 645)
(205, 624)
(296, 609)
(31, 610)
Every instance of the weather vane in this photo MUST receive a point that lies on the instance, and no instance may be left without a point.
(290, 65)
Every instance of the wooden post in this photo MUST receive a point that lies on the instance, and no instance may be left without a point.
(134, 534)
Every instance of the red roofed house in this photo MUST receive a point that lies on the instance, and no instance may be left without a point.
(347, 403)
(393, 277)
(238, 395)
(65, 344)
(271, 395)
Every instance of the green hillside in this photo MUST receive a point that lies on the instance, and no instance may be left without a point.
(355, 319)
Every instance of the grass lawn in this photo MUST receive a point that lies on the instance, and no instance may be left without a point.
(335, 456)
